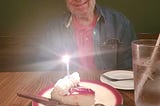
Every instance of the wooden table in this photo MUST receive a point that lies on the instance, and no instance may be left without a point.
(33, 82)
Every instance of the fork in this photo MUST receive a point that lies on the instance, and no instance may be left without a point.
(115, 79)
(40, 99)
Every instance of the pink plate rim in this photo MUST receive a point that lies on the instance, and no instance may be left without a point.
(116, 93)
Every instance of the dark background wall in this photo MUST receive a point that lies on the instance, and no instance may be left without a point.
(32, 15)
(22, 21)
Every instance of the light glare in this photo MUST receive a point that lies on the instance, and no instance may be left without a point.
(66, 58)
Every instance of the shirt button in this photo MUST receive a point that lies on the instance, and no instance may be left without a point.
(94, 32)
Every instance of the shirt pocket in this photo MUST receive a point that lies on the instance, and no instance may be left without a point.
(109, 45)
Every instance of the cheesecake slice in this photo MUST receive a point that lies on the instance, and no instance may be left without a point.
(68, 91)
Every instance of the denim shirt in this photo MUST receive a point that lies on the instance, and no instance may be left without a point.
(112, 37)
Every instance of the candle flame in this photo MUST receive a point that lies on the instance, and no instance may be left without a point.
(66, 58)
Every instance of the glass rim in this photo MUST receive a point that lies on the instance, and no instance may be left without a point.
(143, 42)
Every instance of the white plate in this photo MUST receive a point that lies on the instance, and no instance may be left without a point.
(103, 93)
(125, 84)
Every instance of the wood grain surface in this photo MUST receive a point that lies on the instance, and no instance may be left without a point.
(32, 82)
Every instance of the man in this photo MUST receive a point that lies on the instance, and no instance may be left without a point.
(94, 37)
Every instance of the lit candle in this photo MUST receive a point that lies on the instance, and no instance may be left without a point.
(66, 59)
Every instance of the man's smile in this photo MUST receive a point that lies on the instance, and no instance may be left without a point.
(80, 4)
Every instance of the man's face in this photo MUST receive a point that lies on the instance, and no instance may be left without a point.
(81, 8)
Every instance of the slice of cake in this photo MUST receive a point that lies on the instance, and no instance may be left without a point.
(68, 91)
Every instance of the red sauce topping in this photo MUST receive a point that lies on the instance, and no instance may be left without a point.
(81, 91)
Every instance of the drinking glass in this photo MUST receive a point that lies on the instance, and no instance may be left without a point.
(146, 68)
